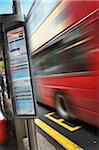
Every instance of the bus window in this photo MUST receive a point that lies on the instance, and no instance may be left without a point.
(67, 57)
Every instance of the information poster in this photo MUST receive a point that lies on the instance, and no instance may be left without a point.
(20, 74)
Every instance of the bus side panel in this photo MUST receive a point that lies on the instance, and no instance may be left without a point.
(81, 9)
(82, 92)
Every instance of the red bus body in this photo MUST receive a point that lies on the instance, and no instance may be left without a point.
(82, 87)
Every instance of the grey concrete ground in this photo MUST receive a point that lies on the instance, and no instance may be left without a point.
(42, 142)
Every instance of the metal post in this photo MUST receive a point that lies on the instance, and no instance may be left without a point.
(32, 134)
(20, 132)
(16, 7)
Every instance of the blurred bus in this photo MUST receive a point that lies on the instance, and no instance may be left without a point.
(64, 48)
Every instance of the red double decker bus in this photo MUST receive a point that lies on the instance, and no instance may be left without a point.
(65, 56)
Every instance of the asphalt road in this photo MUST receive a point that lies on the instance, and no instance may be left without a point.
(76, 135)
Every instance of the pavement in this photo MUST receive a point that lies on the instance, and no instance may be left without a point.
(42, 142)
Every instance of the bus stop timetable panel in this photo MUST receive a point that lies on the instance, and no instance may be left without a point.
(20, 73)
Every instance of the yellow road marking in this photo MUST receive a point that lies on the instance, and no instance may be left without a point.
(61, 123)
(76, 44)
(62, 140)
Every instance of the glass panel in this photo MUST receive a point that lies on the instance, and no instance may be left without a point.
(6, 6)
(25, 6)
(69, 55)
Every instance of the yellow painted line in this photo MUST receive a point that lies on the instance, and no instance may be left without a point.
(62, 140)
(76, 44)
(61, 122)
